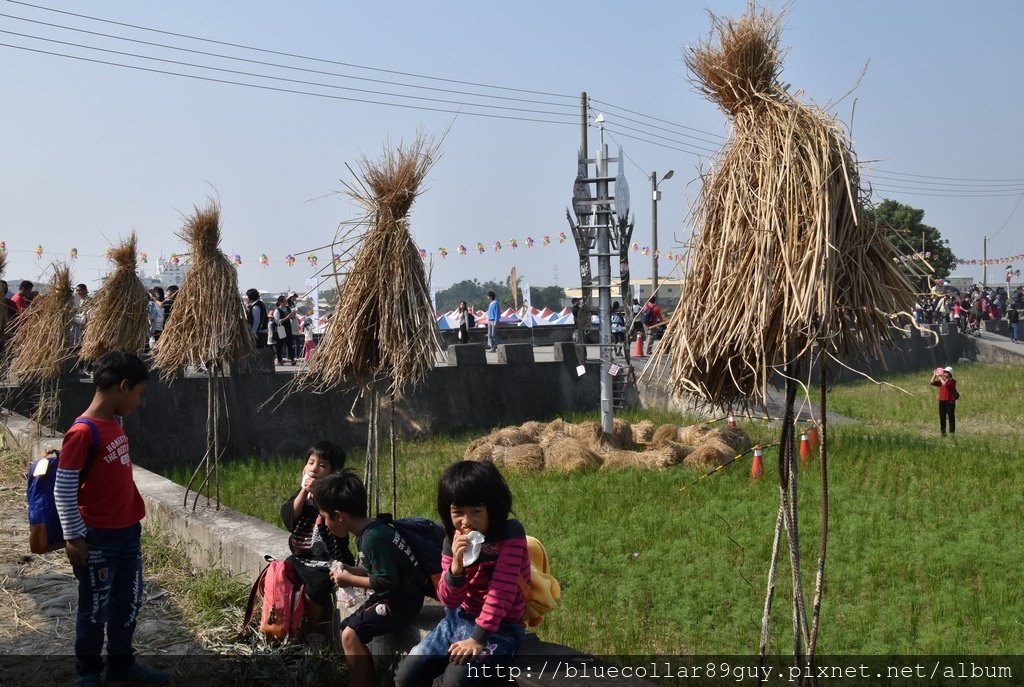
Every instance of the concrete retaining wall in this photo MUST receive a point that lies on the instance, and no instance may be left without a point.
(169, 428)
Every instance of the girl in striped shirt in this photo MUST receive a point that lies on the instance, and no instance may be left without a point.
(484, 604)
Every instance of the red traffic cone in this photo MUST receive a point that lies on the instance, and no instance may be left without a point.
(638, 347)
(732, 420)
(757, 467)
(812, 434)
(805, 448)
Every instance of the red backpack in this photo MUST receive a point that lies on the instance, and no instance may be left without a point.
(283, 601)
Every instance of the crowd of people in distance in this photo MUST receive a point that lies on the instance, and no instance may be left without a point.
(968, 309)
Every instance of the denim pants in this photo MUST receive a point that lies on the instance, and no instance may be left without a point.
(492, 336)
(109, 598)
(429, 658)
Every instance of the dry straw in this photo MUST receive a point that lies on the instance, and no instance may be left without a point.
(42, 344)
(118, 314)
(207, 325)
(782, 233)
(388, 333)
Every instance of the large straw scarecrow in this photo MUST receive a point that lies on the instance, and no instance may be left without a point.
(207, 329)
(118, 313)
(42, 344)
(785, 269)
(382, 338)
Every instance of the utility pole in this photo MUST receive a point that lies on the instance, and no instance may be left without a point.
(599, 224)
(655, 197)
(984, 263)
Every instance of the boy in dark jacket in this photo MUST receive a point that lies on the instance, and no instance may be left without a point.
(385, 567)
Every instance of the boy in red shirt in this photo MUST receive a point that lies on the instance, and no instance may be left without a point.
(100, 514)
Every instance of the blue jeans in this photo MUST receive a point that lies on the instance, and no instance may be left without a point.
(1015, 331)
(492, 336)
(109, 598)
(429, 658)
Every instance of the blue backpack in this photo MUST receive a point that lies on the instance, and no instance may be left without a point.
(425, 539)
(45, 533)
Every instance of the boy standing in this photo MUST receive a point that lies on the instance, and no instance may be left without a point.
(385, 568)
(100, 512)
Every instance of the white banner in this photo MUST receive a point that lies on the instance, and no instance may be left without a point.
(433, 298)
(527, 320)
(313, 287)
(636, 293)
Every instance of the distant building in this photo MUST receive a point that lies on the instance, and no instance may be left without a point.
(170, 274)
(669, 291)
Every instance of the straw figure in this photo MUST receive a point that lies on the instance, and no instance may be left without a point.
(389, 339)
(207, 329)
(42, 344)
(118, 316)
(782, 232)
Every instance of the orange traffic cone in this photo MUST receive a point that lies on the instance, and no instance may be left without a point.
(638, 347)
(805, 448)
(812, 434)
(756, 467)
(732, 420)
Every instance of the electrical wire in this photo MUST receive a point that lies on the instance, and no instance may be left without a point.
(302, 82)
(1021, 198)
(288, 54)
(281, 66)
(282, 90)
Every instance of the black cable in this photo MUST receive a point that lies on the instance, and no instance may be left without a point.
(281, 66)
(663, 121)
(878, 190)
(287, 54)
(302, 82)
(282, 90)
(654, 143)
(709, 151)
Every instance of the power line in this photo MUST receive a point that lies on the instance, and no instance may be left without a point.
(288, 54)
(663, 121)
(282, 90)
(281, 66)
(900, 192)
(1021, 198)
(926, 176)
(302, 82)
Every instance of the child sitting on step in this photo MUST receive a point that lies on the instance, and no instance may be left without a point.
(312, 545)
(484, 604)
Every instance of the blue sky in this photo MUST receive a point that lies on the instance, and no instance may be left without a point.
(91, 151)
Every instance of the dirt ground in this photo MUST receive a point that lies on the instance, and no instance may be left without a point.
(38, 599)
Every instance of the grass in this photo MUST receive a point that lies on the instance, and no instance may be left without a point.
(923, 532)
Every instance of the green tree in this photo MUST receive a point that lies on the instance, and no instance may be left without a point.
(903, 226)
(475, 293)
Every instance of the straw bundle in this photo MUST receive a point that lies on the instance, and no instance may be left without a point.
(675, 449)
(511, 436)
(480, 450)
(533, 429)
(710, 454)
(566, 454)
(693, 435)
(663, 435)
(118, 315)
(733, 437)
(521, 458)
(4, 319)
(781, 228)
(42, 343)
(643, 432)
(621, 436)
(207, 324)
(390, 333)
(587, 433)
(556, 428)
(658, 459)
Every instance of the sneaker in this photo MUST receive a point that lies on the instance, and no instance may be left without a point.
(136, 676)
(87, 681)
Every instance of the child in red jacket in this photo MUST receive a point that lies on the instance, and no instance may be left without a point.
(943, 378)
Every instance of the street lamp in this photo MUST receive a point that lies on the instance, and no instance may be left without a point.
(655, 197)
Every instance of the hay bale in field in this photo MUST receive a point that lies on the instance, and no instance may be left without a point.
(566, 454)
(481, 449)
(664, 434)
(533, 429)
(657, 459)
(41, 344)
(738, 440)
(710, 454)
(510, 436)
(521, 458)
(693, 435)
(621, 436)
(643, 432)
(556, 428)
(678, 451)
(587, 433)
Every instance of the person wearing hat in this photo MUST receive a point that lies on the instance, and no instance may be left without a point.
(943, 378)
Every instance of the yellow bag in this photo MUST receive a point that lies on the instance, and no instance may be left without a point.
(542, 592)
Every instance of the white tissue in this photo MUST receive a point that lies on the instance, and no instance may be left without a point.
(476, 541)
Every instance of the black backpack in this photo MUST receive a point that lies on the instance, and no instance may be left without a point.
(425, 539)
(647, 316)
